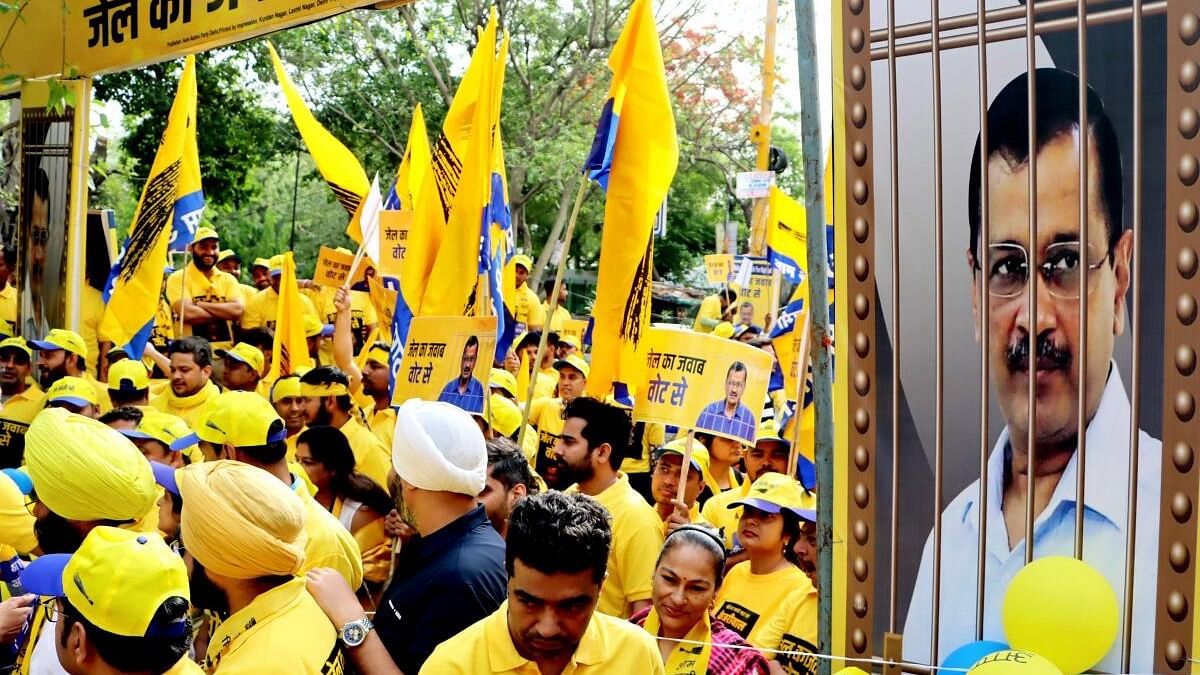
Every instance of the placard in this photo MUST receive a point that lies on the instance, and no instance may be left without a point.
(333, 266)
(717, 267)
(393, 240)
(754, 184)
(704, 383)
(575, 328)
(447, 358)
(757, 291)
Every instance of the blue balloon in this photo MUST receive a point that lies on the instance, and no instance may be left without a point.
(965, 656)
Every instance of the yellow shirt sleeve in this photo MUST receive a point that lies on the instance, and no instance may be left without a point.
(636, 546)
(175, 286)
(710, 309)
(252, 316)
(793, 628)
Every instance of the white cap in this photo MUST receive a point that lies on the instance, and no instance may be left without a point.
(437, 446)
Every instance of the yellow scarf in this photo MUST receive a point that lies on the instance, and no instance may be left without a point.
(199, 398)
(686, 658)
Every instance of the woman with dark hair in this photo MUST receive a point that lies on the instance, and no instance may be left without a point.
(687, 577)
(357, 501)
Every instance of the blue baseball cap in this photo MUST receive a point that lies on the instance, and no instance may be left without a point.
(164, 475)
(22, 479)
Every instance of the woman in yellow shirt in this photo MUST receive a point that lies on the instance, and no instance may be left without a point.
(357, 501)
(756, 589)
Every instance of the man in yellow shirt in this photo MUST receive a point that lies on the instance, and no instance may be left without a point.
(528, 314)
(292, 408)
(260, 273)
(561, 315)
(595, 436)
(73, 394)
(122, 601)
(129, 384)
(375, 376)
(244, 532)
(214, 298)
(675, 509)
(63, 353)
(20, 399)
(243, 367)
(245, 428)
(191, 388)
(557, 555)
(328, 392)
(261, 307)
(715, 309)
(546, 416)
(229, 262)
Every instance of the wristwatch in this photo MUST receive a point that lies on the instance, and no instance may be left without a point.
(355, 632)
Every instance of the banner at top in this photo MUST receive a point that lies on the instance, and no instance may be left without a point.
(101, 36)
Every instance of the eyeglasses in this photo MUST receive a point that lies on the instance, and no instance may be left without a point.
(55, 610)
(31, 501)
(1008, 269)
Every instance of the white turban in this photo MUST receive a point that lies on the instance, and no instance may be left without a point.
(439, 447)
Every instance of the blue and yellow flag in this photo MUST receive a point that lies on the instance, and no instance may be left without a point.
(171, 194)
(413, 166)
(290, 351)
(787, 235)
(338, 166)
(634, 156)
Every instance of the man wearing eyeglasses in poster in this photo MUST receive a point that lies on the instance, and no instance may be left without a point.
(1058, 262)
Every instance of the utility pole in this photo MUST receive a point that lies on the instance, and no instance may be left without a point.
(760, 133)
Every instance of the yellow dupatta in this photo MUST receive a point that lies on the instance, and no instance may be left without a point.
(687, 658)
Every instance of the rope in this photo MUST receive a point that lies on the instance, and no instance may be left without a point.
(829, 657)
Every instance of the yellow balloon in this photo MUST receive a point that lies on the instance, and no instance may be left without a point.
(1013, 662)
(1062, 609)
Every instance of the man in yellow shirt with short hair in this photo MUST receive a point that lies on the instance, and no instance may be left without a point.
(214, 298)
(595, 436)
(527, 307)
(261, 308)
(63, 353)
(546, 416)
(557, 555)
(561, 315)
(20, 399)
(328, 392)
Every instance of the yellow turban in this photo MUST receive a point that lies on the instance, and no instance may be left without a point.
(240, 521)
(85, 470)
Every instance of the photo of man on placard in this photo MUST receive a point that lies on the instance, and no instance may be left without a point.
(729, 416)
(465, 391)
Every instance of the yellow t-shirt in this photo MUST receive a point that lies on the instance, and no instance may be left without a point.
(16, 523)
(329, 543)
(793, 629)
(717, 513)
(545, 415)
(608, 645)
(371, 457)
(375, 544)
(560, 318)
(8, 309)
(281, 632)
(261, 309)
(747, 602)
(187, 408)
(91, 311)
(15, 416)
(710, 309)
(637, 536)
(220, 287)
(529, 309)
(383, 425)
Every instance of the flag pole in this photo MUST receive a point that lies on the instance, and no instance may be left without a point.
(584, 184)
(801, 361)
(683, 470)
(183, 297)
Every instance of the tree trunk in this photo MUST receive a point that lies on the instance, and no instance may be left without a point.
(560, 221)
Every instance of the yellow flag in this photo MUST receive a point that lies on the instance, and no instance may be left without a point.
(338, 166)
(787, 235)
(290, 351)
(132, 300)
(635, 155)
(414, 165)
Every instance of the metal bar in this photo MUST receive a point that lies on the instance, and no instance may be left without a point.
(895, 178)
(923, 28)
(762, 131)
(818, 266)
(985, 317)
(1032, 287)
(939, 333)
(1085, 259)
(1016, 32)
(1136, 283)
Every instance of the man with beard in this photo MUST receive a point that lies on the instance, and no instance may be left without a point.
(1052, 266)
(260, 273)
(261, 307)
(454, 574)
(84, 475)
(292, 408)
(509, 480)
(561, 314)
(191, 388)
(546, 416)
(465, 391)
(214, 298)
(243, 533)
(595, 437)
(20, 400)
(557, 556)
(63, 352)
(327, 393)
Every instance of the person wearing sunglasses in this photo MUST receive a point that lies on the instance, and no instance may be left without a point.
(1058, 267)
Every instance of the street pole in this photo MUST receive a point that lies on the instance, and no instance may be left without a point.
(760, 133)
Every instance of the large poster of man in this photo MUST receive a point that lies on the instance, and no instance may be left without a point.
(1011, 261)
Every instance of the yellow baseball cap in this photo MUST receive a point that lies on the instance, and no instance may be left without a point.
(74, 390)
(241, 419)
(61, 338)
(244, 353)
(128, 376)
(774, 492)
(677, 447)
(573, 361)
(203, 233)
(227, 254)
(285, 387)
(568, 339)
(723, 330)
(768, 430)
(503, 415)
(275, 264)
(313, 327)
(522, 260)
(498, 379)
(261, 262)
(117, 580)
(16, 343)
(169, 430)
